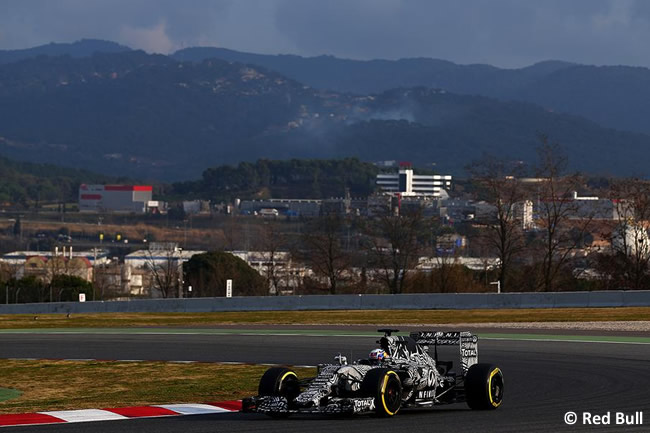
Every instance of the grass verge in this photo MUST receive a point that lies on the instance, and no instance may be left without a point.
(60, 385)
(349, 317)
(8, 394)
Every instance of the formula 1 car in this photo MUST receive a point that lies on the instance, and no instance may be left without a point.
(400, 374)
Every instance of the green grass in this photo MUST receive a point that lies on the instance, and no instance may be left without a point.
(60, 385)
(8, 394)
(349, 317)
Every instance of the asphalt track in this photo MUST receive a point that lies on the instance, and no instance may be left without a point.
(544, 380)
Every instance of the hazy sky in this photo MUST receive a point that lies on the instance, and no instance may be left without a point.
(507, 33)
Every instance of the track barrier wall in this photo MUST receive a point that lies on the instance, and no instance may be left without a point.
(455, 301)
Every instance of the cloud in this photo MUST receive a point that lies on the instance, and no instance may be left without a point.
(509, 33)
(503, 32)
(152, 40)
(33, 22)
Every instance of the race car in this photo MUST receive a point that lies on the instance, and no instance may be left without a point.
(401, 373)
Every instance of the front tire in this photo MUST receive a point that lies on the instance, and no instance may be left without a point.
(280, 382)
(484, 387)
(386, 387)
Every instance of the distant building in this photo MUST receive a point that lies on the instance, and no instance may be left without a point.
(157, 207)
(258, 260)
(288, 274)
(144, 271)
(631, 239)
(523, 211)
(406, 183)
(47, 264)
(587, 207)
(386, 164)
(473, 263)
(455, 210)
(194, 207)
(160, 255)
(450, 243)
(114, 198)
(593, 208)
(291, 207)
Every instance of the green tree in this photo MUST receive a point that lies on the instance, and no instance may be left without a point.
(207, 274)
(66, 288)
(27, 289)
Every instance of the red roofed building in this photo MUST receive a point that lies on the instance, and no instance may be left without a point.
(114, 198)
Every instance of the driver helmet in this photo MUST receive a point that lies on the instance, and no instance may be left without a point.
(378, 355)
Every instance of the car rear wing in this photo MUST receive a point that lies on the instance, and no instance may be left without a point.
(467, 342)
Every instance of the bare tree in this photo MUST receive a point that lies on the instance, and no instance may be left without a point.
(164, 263)
(106, 282)
(270, 243)
(233, 234)
(443, 273)
(505, 233)
(324, 252)
(556, 208)
(630, 241)
(395, 245)
(57, 265)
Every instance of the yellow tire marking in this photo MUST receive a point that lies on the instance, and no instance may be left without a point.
(284, 376)
(383, 390)
(492, 374)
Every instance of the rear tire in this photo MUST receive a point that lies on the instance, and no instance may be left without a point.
(281, 382)
(386, 387)
(484, 387)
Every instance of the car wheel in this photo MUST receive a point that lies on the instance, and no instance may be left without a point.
(484, 386)
(282, 382)
(386, 387)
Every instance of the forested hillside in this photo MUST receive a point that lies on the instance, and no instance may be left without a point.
(26, 183)
(293, 178)
(153, 117)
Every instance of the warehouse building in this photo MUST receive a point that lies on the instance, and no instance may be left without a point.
(114, 198)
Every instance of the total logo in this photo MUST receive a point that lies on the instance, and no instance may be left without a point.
(468, 353)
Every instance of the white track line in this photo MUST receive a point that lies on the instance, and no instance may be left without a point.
(84, 415)
(192, 409)
(552, 340)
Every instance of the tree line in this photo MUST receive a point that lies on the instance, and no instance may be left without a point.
(294, 178)
(30, 184)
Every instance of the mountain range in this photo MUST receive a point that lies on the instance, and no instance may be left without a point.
(104, 107)
(613, 96)
(82, 48)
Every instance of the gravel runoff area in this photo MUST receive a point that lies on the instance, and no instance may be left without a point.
(623, 326)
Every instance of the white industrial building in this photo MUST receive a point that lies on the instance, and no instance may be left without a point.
(406, 183)
(160, 256)
(114, 198)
